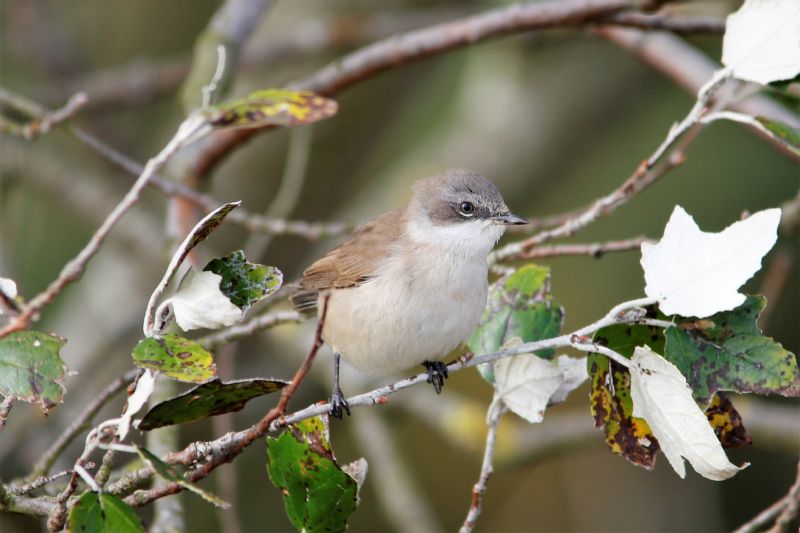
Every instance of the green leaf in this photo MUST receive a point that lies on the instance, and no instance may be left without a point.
(209, 399)
(176, 358)
(31, 368)
(172, 474)
(787, 135)
(727, 352)
(318, 494)
(272, 107)
(102, 513)
(612, 409)
(243, 282)
(519, 305)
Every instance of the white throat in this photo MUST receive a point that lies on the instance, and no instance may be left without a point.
(468, 238)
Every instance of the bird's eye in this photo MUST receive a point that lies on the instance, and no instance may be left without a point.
(466, 209)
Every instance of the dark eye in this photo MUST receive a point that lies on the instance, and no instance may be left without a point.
(467, 209)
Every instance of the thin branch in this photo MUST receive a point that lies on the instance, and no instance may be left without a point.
(251, 326)
(252, 222)
(42, 123)
(596, 249)
(37, 483)
(687, 66)
(779, 514)
(496, 410)
(675, 24)
(650, 170)
(73, 270)
(58, 516)
(81, 423)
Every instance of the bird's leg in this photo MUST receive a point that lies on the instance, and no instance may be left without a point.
(437, 373)
(337, 398)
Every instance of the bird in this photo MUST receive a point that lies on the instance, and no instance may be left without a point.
(409, 286)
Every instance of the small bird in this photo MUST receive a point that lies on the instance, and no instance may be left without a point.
(410, 285)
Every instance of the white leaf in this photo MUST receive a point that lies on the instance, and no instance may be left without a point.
(9, 288)
(762, 41)
(199, 303)
(574, 373)
(527, 384)
(661, 396)
(144, 388)
(693, 273)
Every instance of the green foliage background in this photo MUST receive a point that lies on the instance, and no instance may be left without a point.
(555, 119)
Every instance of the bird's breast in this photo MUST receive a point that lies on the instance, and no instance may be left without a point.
(419, 307)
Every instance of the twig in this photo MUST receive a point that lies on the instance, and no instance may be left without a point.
(645, 174)
(779, 513)
(258, 323)
(248, 436)
(73, 270)
(496, 410)
(5, 410)
(57, 517)
(596, 250)
(81, 423)
(675, 24)
(792, 506)
(44, 122)
(38, 482)
(252, 222)
(687, 66)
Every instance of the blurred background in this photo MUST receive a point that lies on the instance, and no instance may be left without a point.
(555, 118)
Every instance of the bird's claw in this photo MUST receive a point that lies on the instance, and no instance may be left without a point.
(437, 373)
(338, 403)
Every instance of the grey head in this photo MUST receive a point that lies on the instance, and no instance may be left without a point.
(460, 195)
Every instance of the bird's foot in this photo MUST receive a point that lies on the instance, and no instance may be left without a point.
(338, 403)
(437, 373)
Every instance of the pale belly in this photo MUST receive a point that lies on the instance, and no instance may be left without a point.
(392, 323)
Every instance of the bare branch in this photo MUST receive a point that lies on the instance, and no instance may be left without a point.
(251, 326)
(779, 514)
(496, 410)
(596, 249)
(73, 270)
(81, 423)
(675, 24)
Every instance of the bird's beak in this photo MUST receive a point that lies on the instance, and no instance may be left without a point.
(509, 219)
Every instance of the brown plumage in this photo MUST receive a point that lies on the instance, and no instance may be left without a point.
(353, 262)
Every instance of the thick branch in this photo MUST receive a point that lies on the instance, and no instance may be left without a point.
(406, 48)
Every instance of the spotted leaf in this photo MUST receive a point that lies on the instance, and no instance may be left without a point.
(31, 368)
(272, 107)
(176, 358)
(318, 494)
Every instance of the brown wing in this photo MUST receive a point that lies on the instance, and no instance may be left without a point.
(353, 262)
